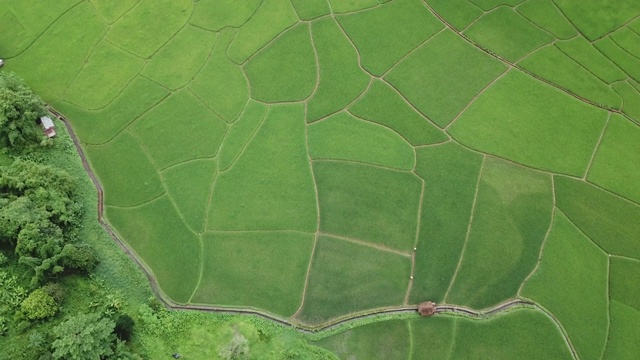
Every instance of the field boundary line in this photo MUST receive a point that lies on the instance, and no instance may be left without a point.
(367, 244)
(544, 241)
(411, 345)
(466, 239)
(306, 278)
(584, 233)
(597, 147)
(415, 243)
(480, 93)
(606, 343)
(383, 167)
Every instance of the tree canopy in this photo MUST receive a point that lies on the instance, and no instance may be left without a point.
(38, 216)
(20, 110)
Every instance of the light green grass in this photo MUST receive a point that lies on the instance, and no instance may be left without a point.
(344, 137)
(368, 203)
(72, 36)
(164, 242)
(197, 134)
(631, 99)
(189, 186)
(96, 127)
(624, 334)
(450, 174)
(383, 105)
(608, 220)
(122, 156)
(459, 13)
(271, 186)
(218, 14)
(345, 6)
(491, 4)
(21, 22)
(347, 277)
(626, 61)
(624, 277)
(508, 34)
(273, 81)
(611, 168)
(311, 9)
(546, 15)
(433, 337)
(597, 19)
(628, 40)
(529, 122)
(510, 221)
(401, 25)
(521, 334)
(263, 270)
(240, 133)
(444, 75)
(552, 64)
(149, 25)
(107, 71)
(585, 54)
(271, 18)
(571, 282)
(112, 10)
(221, 84)
(382, 340)
(341, 79)
(180, 59)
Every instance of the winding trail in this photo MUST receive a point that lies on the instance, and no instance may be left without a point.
(289, 322)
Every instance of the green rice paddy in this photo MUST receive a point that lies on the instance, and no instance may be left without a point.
(318, 159)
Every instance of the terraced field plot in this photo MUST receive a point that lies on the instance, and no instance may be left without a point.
(315, 160)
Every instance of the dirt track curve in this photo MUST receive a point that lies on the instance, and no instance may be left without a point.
(445, 308)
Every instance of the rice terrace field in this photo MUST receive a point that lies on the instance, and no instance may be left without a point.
(316, 160)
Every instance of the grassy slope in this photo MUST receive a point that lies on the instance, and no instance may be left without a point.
(368, 203)
(384, 106)
(527, 121)
(341, 79)
(620, 147)
(521, 39)
(270, 81)
(447, 69)
(401, 26)
(346, 277)
(344, 137)
(607, 219)
(270, 187)
(511, 217)
(450, 174)
(263, 270)
(571, 282)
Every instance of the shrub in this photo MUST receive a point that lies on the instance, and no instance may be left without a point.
(38, 305)
(124, 327)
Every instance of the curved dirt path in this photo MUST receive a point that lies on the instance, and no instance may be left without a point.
(307, 329)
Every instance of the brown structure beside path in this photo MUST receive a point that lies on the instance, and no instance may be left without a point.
(425, 308)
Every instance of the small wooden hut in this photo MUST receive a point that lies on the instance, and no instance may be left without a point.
(47, 126)
(427, 308)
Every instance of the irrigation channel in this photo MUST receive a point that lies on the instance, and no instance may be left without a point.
(336, 323)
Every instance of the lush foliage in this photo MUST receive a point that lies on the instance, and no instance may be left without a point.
(84, 336)
(38, 216)
(39, 305)
(20, 110)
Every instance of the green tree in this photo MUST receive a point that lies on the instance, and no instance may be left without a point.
(20, 110)
(39, 216)
(39, 305)
(84, 337)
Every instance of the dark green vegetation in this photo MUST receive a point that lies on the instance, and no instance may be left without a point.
(318, 159)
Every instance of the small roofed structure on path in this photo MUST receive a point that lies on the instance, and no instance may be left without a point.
(427, 308)
(48, 126)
